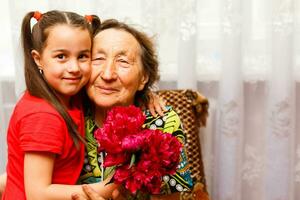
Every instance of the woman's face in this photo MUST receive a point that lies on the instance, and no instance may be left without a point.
(117, 71)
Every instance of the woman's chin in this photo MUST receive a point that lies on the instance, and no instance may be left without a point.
(108, 105)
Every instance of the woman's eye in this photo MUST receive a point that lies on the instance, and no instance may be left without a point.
(99, 58)
(123, 61)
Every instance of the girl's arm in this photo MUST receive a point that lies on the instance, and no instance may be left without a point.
(2, 183)
(38, 169)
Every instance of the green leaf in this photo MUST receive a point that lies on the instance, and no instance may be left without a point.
(110, 181)
(132, 160)
(108, 171)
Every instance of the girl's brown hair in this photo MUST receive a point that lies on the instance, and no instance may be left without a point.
(36, 40)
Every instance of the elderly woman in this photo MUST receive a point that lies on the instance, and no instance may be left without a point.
(124, 68)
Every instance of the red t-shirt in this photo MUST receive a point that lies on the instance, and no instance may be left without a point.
(36, 126)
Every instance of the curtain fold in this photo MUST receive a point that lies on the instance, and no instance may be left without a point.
(280, 131)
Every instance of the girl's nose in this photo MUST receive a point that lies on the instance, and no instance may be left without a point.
(73, 67)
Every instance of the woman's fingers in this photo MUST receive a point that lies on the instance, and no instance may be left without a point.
(156, 105)
(115, 194)
(119, 194)
(152, 109)
(160, 106)
(78, 197)
(90, 193)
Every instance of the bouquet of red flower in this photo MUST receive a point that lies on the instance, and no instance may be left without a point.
(141, 156)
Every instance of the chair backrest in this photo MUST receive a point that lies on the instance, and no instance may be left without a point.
(192, 109)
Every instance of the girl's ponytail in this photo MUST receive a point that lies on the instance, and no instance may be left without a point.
(31, 70)
(94, 21)
(26, 34)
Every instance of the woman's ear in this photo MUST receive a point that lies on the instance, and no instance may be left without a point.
(36, 57)
(143, 82)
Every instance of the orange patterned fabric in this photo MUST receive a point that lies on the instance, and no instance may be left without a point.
(192, 109)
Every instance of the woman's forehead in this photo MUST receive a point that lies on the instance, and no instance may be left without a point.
(116, 40)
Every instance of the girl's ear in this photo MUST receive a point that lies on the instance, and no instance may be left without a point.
(36, 57)
(143, 82)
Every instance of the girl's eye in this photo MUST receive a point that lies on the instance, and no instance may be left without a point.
(60, 56)
(83, 56)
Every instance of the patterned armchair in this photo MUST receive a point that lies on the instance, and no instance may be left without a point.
(192, 109)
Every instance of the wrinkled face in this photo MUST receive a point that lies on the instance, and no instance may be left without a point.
(117, 71)
(65, 60)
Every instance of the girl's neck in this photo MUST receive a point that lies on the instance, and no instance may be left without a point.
(66, 100)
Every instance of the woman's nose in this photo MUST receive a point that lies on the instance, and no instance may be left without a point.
(109, 71)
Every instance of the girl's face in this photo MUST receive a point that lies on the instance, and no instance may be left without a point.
(117, 70)
(65, 60)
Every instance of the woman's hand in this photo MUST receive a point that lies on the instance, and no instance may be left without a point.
(93, 195)
(173, 196)
(156, 104)
(2, 183)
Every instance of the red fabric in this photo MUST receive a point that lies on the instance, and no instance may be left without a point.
(36, 126)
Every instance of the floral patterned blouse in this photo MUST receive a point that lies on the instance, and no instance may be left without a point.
(93, 170)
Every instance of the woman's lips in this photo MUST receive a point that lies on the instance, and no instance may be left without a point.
(106, 90)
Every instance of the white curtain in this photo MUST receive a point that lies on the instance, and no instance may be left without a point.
(244, 55)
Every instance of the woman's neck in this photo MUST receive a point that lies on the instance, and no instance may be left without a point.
(100, 115)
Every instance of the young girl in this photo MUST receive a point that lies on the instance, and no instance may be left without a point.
(46, 130)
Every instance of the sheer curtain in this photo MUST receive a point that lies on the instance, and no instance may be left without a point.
(244, 55)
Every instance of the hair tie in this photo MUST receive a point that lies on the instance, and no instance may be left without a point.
(37, 15)
(88, 18)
